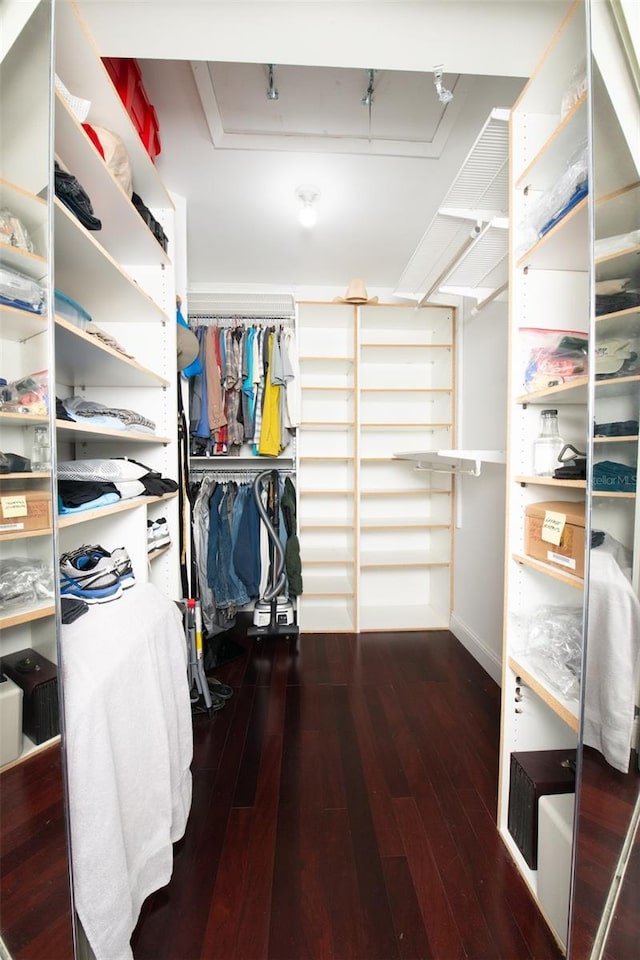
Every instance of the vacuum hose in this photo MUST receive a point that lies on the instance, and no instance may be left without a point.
(279, 580)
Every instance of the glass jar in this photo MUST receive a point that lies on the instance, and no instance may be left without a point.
(41, 451)
(548, 445)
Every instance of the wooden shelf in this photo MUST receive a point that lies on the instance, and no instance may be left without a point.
(625, 263)
(411, 345)
(19, 325)
(622, 323)
(78, 431)
(554, 572)
(21, 419)
(425, 492)
(124, 233)
(27, 615)
(542, 172)
(564, 247)
(154, 554)
(407, 426)
(82, 358)
(405, 617)
(30, 264)
(550, 482)
(406, 390)
(89, 274)
(629, 439)
(401, 523)
(614, 495)
(325, 523)
(369, 560)
(575, 391)
(567, 710)
(316, 556)
(71, 519)
(37, 475)
(619, 386)
(25, 534)
(319, 586)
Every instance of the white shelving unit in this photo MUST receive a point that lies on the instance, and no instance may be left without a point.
(549, 288)
(25, 81)
(124, 279)
(375, 539)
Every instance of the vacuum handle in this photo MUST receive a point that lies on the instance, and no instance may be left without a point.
(280, 577)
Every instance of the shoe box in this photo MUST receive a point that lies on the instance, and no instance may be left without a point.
(23, 510)
(554, 533)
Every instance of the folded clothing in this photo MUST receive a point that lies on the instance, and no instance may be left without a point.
(95, 331)
(115, 418)
(614, 477)
(617, 428)
(102, 501)
(107, 469)
(75, 198)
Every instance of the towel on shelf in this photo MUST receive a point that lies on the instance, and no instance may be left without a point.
(613, 658)
(129, 749)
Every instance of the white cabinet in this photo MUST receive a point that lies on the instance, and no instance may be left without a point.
(25, 337)
(375, 533)
(549, 300)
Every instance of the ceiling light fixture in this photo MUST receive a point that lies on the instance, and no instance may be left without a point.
(307, 197)
(272, 93)
(444, 95)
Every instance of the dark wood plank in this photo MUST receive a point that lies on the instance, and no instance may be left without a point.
(223, 922)
(439, 921)
(413, 942)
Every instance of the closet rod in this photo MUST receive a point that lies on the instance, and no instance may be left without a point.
(228, 320)
(237, 476)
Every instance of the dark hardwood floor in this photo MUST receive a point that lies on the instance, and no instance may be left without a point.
(35, 917)
(344, 809)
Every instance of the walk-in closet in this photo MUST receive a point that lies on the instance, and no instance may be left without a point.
(319, 402)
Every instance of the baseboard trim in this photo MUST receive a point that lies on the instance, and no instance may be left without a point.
(487, 658)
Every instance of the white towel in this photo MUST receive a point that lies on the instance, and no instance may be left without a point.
(129, 749)
(613, 660)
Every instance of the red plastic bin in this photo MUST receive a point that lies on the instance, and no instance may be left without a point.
(127, 79)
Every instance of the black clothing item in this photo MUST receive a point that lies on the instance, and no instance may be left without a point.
(597, 537)
(293, 562)
(157, 486)
(75, 198)
(74, 493)
(72, 608)
(61, 413)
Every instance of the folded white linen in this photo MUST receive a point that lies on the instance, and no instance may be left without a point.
(613, 660)
(129, 747)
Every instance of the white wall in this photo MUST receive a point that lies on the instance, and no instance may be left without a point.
(476, 618)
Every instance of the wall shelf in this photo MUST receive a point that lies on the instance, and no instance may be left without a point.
(453, 461)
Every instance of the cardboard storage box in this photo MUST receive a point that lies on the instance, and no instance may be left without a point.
(568, 554)
(23, 510)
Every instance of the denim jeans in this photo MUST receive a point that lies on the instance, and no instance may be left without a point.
(221, 577)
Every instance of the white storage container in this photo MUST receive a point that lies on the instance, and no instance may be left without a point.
(10, 720)
(555, 832)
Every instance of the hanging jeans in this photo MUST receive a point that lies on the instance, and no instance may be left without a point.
(229, 592)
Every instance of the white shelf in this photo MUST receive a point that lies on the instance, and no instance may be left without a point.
(90, 275)
(30, 264)
(566, 709)
(563, 247)
(78, 431)
(82, 358)
(124, 233)
(405, 617)
(20, 325)
(29, 208)
(85, 516)
(453, 461)
(80, 68)
(26, 615)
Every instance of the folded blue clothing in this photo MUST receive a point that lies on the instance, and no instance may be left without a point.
(611, 477)
(102, 501)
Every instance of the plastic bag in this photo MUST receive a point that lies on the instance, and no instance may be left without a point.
(557, 202)
(17, 290)
(553, 357)
(577, 86)
(552, 644)
(13, 231)
(28, 395)
(24, 581)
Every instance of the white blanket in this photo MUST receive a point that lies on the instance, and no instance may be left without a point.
(129, 749)
(613, 659)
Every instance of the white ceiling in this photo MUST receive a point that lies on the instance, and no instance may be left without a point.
(238, 157)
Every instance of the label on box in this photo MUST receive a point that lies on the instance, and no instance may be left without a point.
(558, 558)
(14, 506)
(11, 526)
(552, 527)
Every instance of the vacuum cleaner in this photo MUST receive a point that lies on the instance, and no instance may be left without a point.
(273, 615)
